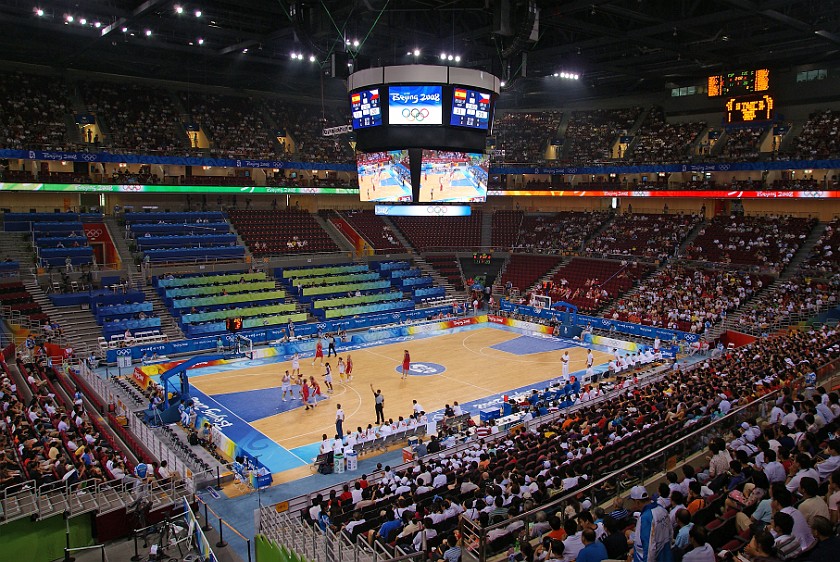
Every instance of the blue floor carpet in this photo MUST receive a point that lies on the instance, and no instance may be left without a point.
(526, 345)
(252, 405)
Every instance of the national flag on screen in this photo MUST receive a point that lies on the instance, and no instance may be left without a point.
(484, 98)
(356, 98)
(374, 94)
(460, 94)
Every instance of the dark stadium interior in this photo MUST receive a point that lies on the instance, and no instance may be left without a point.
(190, 205)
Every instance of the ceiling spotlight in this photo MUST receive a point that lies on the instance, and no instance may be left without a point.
(458, 58)
(83, 21)
(200, 41)
(443, 56)
(312, 58)
(416, 52)
(148, 32)
(39, 12)
(179, 10)
(502, 83)
(97, 25)
(124, 29)
(69, 18)
(556, 75)
(245, 50)
(355, 42)
(449, 57)
(198, 13)
(346, 41)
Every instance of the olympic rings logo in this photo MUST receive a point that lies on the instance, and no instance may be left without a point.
(89, 157)
(436, 210)
(93, 233)
(124, 352)
(415, 114)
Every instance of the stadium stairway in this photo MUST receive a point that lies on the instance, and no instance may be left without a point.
(547, 277)
(486, 230)
(400, 237)
(79, 327)
(439, 280)
(804, 252)
(168, 325)
(691, 236)
(336, 236)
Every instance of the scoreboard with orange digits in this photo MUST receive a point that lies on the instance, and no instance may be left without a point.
(739, 83)
(746, 109)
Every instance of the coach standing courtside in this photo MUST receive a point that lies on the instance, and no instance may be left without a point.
(379, 406)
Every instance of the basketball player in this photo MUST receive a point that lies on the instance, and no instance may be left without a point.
(406, 364)
(590, 359)
(304, 394)
(296, 364)
(328, 377)
(349, 368)
(286, 386)
(342, 369)
(565, 361)
(315, 392)
(319, 352)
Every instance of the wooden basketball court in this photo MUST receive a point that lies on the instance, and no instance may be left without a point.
(473, 370)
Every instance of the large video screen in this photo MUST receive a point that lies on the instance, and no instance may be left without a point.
(470, 109)
(384, 176)
(453, 177)
(366, 109)
(415, 105)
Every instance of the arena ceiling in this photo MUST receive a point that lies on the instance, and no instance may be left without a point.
(613, 45)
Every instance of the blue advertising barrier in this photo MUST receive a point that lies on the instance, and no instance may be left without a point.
(389, 265)
(98, 297)
(141, 229)
(270, 334)
(145, 242)
(215, 216)
(200, 253)
(602, 323)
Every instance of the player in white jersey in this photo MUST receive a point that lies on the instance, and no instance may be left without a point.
(565, 360)
(286, 386)
(296, 364)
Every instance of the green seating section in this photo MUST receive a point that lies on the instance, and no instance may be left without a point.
(335, 279)
(210, 279)
(207, 290)
(363, 299)
(352, 287)
(228, 299)
(318, 271)
(236, 312)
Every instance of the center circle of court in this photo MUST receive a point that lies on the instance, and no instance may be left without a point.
(422, 369)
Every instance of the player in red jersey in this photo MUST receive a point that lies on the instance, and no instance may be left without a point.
(319, 352)
(406, 364)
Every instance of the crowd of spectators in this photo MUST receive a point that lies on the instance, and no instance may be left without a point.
(825, 259)
(645, 235)
(497, 480)
(790, 301)
(32, 112)
(820, 138)
(524, 136)
(137, 118)
(590, 134)
(233, 124)
(558, 233)
(769, 241)
(743, 143)
(660, 142)
(305, 124)
(683, 298)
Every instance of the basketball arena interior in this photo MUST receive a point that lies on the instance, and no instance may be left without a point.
(386, 280)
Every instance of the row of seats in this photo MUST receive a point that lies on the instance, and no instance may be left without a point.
(281, 232)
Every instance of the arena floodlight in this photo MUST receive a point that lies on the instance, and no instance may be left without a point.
(179, 9)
